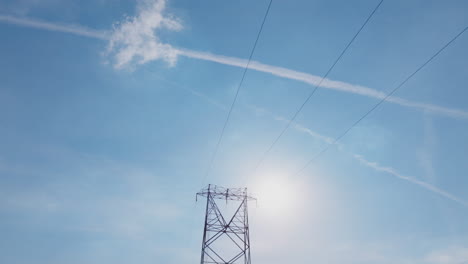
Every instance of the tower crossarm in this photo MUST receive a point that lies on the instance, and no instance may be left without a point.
(222, 193)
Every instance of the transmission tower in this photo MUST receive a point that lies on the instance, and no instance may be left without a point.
(226, 242)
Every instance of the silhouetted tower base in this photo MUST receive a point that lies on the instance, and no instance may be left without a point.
(226, 240)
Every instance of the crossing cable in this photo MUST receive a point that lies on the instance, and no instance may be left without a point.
(291, 120)
(237, 93)
(380, 102)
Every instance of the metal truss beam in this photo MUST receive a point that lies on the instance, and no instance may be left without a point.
(216, 226)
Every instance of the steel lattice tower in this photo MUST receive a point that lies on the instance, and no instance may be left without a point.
(236, 229)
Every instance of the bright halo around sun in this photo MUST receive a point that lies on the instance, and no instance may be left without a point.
(275, 195)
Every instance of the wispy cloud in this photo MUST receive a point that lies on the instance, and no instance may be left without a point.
(138, 41)
(425, 185)
(426, 153)
(327, 83)
(451, 255)
(135, 40)
(78, 192)
(296, 125)
(194, 92)
(374, 165)
(65, 28)
(329, 140)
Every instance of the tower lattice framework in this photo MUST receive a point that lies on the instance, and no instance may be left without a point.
(217, 226)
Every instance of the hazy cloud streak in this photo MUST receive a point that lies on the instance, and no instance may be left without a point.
(135, 41)
(425, 185)
(65, 28)
(373, 165)
(327, 83)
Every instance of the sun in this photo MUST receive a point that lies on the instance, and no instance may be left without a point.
(275, 194)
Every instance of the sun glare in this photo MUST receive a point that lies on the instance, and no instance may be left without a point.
(275, 195)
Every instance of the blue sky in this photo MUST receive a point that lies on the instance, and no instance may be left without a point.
(111, 110)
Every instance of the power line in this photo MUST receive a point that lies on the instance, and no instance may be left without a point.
(237, 93)
(291, 120)
(381, 101)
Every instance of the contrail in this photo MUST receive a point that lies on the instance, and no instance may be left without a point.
(422, 184)
(361, 159)
(65, 28)
(327, 83)
(254, 65)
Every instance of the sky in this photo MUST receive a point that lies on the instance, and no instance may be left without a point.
(110, 112)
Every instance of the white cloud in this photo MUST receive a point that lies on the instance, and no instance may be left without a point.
(135, 39)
